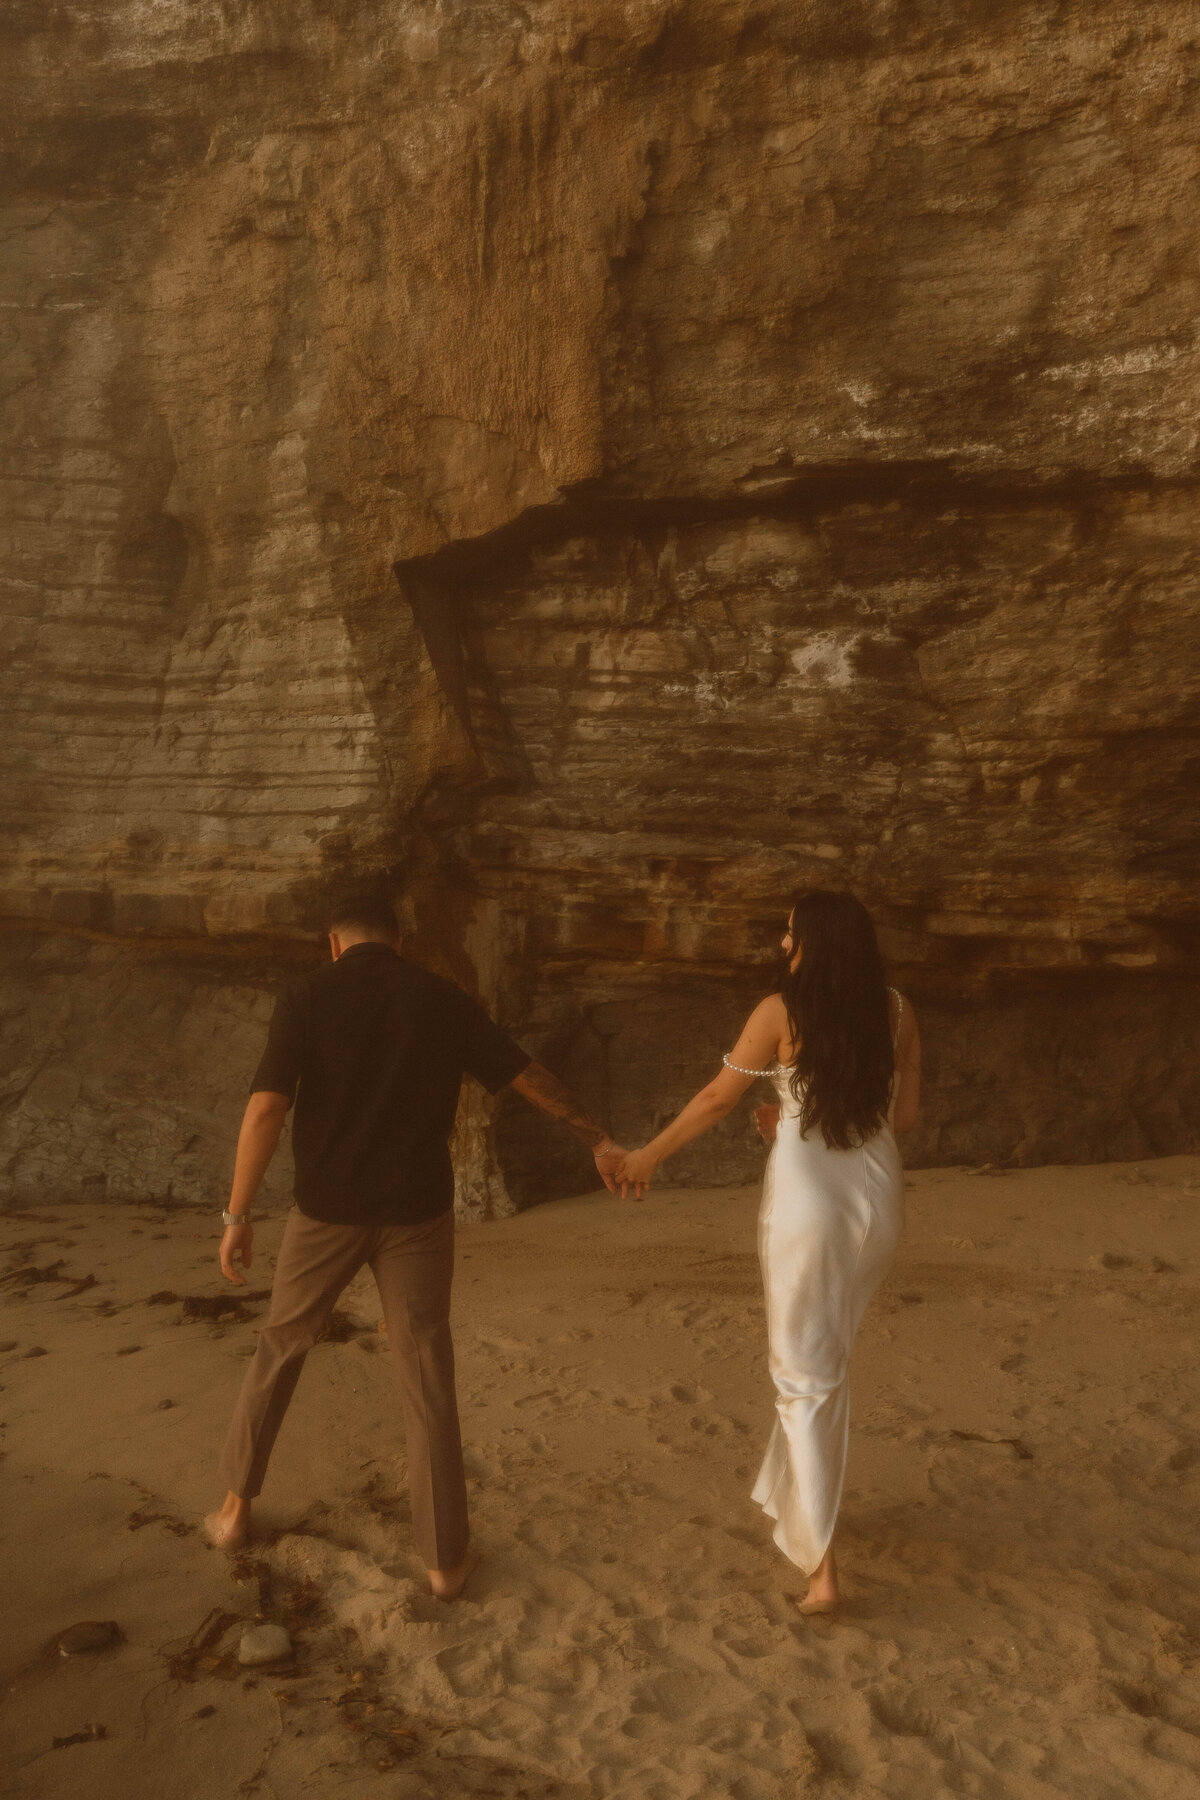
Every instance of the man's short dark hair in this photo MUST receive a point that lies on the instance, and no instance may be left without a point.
(365, 914)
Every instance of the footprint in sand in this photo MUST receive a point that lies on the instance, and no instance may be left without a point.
(749, 1649)
(900, 1714)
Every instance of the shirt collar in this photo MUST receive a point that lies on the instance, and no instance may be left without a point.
(361, 949)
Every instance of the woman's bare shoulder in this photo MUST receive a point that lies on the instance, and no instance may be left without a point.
(763, 1030)
(772, 1017)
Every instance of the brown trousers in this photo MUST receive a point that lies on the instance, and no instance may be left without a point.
(413, 1266)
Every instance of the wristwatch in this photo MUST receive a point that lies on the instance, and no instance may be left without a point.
(242, 1218)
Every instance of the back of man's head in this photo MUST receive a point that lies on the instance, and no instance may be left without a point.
(364, 918)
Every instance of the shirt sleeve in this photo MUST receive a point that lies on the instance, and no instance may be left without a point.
(488, 1053)
(278, 1071)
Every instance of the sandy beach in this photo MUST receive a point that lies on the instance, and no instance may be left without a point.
(1023, 1608)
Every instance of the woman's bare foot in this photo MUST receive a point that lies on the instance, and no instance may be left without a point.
(448, 1584)
(229, 1528)
(823, 1594)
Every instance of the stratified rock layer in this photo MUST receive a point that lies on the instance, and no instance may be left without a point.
(782, 422)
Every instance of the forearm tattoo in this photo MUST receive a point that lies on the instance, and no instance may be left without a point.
(548, 1092)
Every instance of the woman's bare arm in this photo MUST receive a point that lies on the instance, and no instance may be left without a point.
(755, 1050)
(908, 1072)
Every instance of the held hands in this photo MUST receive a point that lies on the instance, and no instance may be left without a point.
(612, 1164)
(238, 1242)
(636, 1168)
(636, 1171)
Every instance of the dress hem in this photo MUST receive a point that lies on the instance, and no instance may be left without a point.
(778, 1535)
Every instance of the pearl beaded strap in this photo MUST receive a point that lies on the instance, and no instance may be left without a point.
(899, 1015)
(738, 1069)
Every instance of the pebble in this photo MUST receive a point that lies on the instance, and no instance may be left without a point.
(245, 1350)
(264, 1644)
(129, 1350)
(216, 1333)
(10, 1344)
(36, 1351)
(165, 1405)
(89, 1634)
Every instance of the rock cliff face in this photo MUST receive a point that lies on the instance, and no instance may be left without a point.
(599, 467)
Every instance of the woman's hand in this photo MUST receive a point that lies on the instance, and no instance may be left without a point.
(766, 1117)
(636, 1170)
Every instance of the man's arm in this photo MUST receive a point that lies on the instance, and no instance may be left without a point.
(549, 1093)
(551, 1096)
(262, 1123)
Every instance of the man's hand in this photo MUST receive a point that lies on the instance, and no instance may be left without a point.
(608, 1158)
(636, 1171)
(766, 1117)
(262, 1123)
(238, 1242)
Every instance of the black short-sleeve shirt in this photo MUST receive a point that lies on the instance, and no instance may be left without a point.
(373, 1050)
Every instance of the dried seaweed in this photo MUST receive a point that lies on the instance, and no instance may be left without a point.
(169, 1521)
(221, 1306)
(80, 1287)
(340, 1328)
(196, 1655)
(91, 1734)
(385, 1738)
(27, 1275)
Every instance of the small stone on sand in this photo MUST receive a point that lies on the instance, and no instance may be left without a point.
(10, 1344)
(216, 1333)
(89, 1634)
(264, 1644)
(36, 1351)
(129, 1350)
(165, 1405)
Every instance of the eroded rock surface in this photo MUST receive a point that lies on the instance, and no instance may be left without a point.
(783, 422)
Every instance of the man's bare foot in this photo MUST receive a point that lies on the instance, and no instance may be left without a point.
(448, 1584)
(823, 1595)
(229, 1528)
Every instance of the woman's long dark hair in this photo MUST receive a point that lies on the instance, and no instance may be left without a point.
(837, 1007)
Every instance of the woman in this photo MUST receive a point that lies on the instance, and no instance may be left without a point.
(842, 1051)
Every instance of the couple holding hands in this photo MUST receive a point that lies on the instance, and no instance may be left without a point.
(371, 1049)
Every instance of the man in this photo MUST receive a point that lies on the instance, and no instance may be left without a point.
(372, 1049)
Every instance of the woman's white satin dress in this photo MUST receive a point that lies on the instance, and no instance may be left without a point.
(828, 1227)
